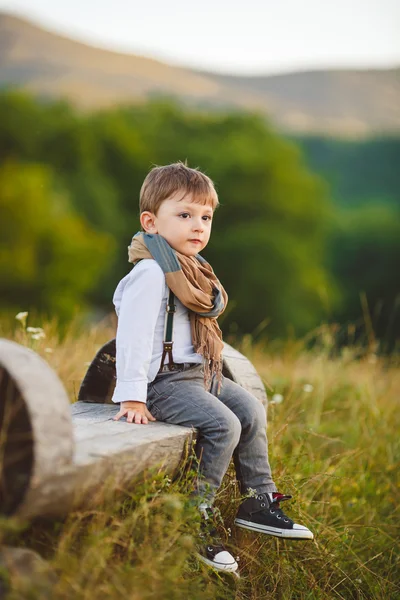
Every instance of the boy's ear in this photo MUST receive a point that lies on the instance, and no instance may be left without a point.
(148, 222)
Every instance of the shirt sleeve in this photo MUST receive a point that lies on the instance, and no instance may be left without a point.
(138, 313)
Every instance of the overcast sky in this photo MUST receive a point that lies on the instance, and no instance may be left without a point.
(250, 36)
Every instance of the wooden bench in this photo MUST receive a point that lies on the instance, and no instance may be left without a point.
(56, 455)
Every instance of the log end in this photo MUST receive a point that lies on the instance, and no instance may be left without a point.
(36, 436)
(16, 444)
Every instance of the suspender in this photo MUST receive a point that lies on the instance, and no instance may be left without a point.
(169, 322)
(167, 343)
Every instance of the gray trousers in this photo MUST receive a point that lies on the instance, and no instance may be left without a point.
(232, 424)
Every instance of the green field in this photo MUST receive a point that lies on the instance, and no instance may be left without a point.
(334, 444)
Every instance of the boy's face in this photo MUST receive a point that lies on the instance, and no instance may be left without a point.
(185, 225)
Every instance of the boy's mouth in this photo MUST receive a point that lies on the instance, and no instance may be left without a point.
(195, 241)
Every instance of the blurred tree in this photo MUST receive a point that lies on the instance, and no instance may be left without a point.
(49, 257)
(365, 258)
(271, 242)
(358, 171)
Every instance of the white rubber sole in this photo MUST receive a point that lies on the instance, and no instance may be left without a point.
(291, 534)
(228, 568)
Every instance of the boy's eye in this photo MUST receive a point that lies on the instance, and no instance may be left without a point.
(186, 215)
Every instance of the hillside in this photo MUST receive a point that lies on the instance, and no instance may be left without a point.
(342, 102)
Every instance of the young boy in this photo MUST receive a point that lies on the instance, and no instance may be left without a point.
(186, 386)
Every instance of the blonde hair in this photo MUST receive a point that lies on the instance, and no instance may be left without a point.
(163, 182)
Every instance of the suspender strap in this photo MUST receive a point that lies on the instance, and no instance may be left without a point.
(167, 344)
(171, 309)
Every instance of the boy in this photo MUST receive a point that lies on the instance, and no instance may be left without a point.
(187, 387)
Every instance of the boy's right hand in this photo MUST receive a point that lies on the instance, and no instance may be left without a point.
(135, 412)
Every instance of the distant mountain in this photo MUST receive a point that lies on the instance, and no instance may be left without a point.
(340, 102)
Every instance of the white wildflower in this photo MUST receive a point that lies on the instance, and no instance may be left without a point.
(38, 336)
(34, 330)
(21, 316)
(276, 399)
(307, 387)
(48, 350)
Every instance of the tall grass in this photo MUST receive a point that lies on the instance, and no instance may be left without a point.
(334, 444)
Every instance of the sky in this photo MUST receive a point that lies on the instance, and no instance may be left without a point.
(246, 37)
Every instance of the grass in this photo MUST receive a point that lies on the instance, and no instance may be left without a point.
(334, 444)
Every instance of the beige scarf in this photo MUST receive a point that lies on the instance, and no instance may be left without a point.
(193, 281)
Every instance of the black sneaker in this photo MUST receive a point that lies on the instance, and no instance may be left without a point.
(263, 513)
(211, 550)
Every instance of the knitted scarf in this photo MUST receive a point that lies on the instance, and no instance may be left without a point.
(192, 280)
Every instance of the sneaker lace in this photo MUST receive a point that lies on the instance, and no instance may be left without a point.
(274, 507)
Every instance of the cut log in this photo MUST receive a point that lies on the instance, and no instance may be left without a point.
(108, 455)
(52, 462)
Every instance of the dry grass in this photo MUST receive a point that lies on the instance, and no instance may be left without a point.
(334, 444)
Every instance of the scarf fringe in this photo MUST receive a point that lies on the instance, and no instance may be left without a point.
(207, 341)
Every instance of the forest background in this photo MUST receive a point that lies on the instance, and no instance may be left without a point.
(308, 230)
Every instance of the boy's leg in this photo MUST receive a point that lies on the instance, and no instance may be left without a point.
(250, 457)
(260, 512)
(180, 398)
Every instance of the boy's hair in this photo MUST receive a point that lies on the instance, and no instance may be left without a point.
(163, 182)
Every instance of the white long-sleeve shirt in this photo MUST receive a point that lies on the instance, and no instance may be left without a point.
(140, 301)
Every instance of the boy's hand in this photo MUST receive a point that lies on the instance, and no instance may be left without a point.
(136, 412)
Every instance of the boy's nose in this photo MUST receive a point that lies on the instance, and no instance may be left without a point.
(198, 225)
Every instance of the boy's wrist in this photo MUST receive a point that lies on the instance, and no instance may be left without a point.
(133, 403)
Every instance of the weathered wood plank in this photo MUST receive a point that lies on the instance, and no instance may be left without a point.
(98, 424)
(101, 464)
(106, 451)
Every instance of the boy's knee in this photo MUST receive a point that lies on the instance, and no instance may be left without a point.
(256, 416)
(232, 429)
(261, 413)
